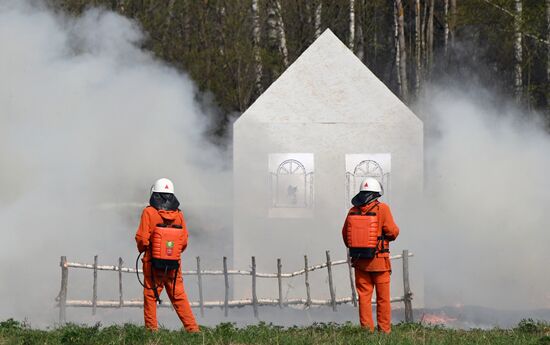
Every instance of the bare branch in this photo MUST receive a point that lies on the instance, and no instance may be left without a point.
(534, 37)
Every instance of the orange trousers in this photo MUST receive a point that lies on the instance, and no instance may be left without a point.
(177, 296)
(366, 282)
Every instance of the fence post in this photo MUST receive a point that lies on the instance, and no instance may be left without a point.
(330, 282)
(226, 279)
(63, 291)
(199, 279)
(306, 275)
(94, 292)
(254, 296)
(280, 281)
(352, 285)
(120, 297)
(406, 288)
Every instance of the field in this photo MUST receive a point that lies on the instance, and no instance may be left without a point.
(526, 332)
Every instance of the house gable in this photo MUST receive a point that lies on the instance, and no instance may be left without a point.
(329, 84)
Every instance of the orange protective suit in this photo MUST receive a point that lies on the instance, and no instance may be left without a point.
(371, 274)
(149, 219)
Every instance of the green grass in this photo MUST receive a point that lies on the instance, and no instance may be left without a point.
(527, 332)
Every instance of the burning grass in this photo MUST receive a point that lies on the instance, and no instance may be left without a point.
(527, 332)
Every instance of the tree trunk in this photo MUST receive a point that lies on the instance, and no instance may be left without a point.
(351, 41)
(221, 21)
(186, 29)
(361, 43)
(402, 65)
(308, 13)
(397, 52)
(548, 55)
(168, 22)
(121, 6)
(423, 29)
(256, 39)
(360, 48)
(272, 34)
(375, 34)
(446, 27)
(452, 26)
(417, 45)
(281, 33)
(430, 38)
(518, 52)
(318, 13)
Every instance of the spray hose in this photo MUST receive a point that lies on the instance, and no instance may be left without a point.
(137, 273)
(154, 288)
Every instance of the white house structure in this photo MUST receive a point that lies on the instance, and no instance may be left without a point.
(303, 147)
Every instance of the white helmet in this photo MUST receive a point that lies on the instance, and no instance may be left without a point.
(163, 185)
(370, 184)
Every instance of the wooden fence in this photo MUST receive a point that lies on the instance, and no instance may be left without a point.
(226, 304)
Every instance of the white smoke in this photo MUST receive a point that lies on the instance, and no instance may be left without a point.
(88, 119)
(485, 218)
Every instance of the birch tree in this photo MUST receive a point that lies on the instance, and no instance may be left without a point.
(351, 40)
(548, 54)
(423, 29)
(518, 52)
(221, 20)
(452, 27)
(446, 27)
(430, 38)
(256, 39)
(281, 32)
(317, 21)
(397, 51)
(276, 29)
(401, 52)
(186, 25)
(121, 6)
(272, 34)
(360, 48)
(375, 33)
(417, 45)
(169, 18)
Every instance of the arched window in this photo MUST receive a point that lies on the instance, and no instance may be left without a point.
(291, 185)
(365, 168)
(291, 167)
(368, 168)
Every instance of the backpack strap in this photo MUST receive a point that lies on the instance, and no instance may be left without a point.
(180, 216)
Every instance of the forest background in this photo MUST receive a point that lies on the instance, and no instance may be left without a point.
(234, 49)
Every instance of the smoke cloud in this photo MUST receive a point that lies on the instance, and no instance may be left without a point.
(485, 227)
(88, 121)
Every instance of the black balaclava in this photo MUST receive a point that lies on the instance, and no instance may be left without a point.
(363, 198)
(164, 201)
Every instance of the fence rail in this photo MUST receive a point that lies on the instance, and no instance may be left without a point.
(254, 301)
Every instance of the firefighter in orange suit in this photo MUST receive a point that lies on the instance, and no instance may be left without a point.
(163, 209)
(367, 231)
